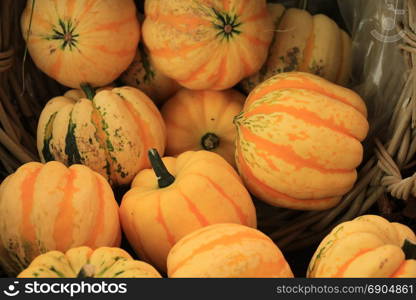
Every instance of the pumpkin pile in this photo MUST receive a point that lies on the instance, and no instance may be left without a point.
(156, 104)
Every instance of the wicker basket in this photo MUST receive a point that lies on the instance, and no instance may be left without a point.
(380, 188)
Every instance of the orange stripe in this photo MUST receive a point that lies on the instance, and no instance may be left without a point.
(98, 226)
(240, 214)
(301, 114)
(261, 15)
(106, 50)
(255, 41)
(55, 68)
(224, 240)
(182, 23)
(182, 50)
(113, 26)
(272, 192)
(243, 5)
(87, 8)
(226, 4)
(221, 73)
(267, 269)
(287, 154)
(70, 8)
(63, 228)
(344, 267)
(161, 220)
(247, 68)
(194, 75)
(194, 209)
(27, 200)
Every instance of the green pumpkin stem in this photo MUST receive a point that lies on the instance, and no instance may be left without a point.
(164, 178)
(88, 90)
(87, 271)
(210, 141)
(409, 249)
(303, 4)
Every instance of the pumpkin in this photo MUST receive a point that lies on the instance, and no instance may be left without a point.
(178, 196)
(143, 75)
(84, 262)
(48, 206)
(207, 44)
(109, 132)
(77, 42)
(298, 142)
(368, 246)
(306, 43)
(227, 250)
(209, 123)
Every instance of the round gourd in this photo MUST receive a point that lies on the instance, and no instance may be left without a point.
(227, 250)
(84, 262)
(78, 42)
(306, 43)
(110, 132)
(209, 125)
(143, 75)
(207, 44)
(178, 196)
(368, 246)
(298, 142)
(48, 206)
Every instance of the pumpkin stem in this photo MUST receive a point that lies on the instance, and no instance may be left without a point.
(409, 249)
(164, 178)
(210, 141)
(87, 271)
(88, 90)
(303, 4)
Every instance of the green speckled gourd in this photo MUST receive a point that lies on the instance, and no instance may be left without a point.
(110, 132)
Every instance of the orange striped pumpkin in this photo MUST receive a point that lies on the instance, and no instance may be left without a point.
(227, 250)
(298, 142)
(48, 206)
(109, 132)
(208, 125)
(368, 246)
(305, 43)
(207, 44)
(191, 191)
(81, 41)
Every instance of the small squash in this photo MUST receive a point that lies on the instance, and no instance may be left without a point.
(299, 141)
(227, 250)
(84, 262)
(178, 196)
(209, 123)
(109, 132)
(368, 246)
(207, 44)
(305, 43)
(48, 206)
(78, 42)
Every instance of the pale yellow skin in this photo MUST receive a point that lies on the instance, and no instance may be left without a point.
(104, 262)
(305, 43)
(229, 251)
(186, 46)
(48, 206)
(368, 246)
(113, 132)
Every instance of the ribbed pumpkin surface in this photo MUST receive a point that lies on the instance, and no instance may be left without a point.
(227, 250)
(51, 207)
(104, 262)
(206, 190)
(207, 44)
(368, 246)
(299, 139)
(81, 41)
(208, 125)
(110, 133)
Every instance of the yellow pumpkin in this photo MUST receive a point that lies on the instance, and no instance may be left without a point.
(298, 142)
(81, 41)
(207, 44)
(109, 132)
(208, 125)
(178, 196)
(84, 262)
(227, 250)
(368, 246)
(48, 206)
(305, 43)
